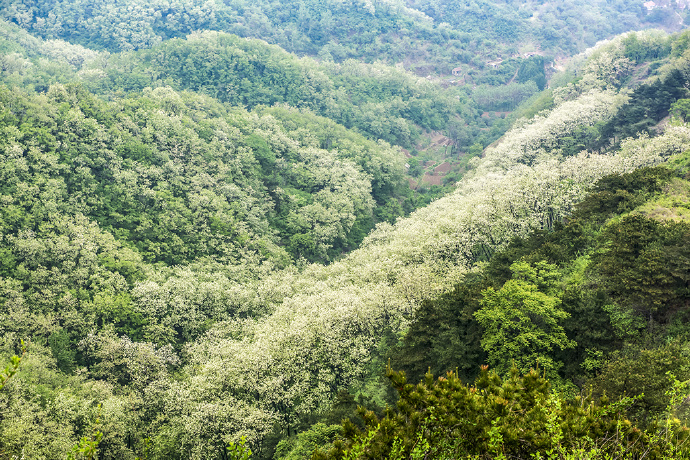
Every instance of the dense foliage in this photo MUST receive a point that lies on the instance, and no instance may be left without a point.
(423, 34)
(608, 276)
(606, 283)
(180, 177)
(515, 417)
(210, 248)
(385, 102)
(379, 101)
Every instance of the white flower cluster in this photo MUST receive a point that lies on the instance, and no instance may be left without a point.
(326, 320)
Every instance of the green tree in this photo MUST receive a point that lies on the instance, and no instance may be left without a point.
(532, 69)
(444, 334)
(522, 323)
(681, 109)
(644, 265)
(239, 451)
(301, 446)
(515, 417)
(12, 368)
(646, 372)
(87, 447)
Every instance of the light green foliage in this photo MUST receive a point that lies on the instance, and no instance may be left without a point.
(515, 417)
(147, 240)
(504, 98)
(305, 443)
(46, 413)
(87, 447)
(624, 321)
(681, 110)
(239, 451)
(12, 368)
(542, 135)
(121, 362)
(605, 67)
(232, 195)
(522, 322)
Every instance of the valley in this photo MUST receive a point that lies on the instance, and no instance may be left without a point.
(344, 229)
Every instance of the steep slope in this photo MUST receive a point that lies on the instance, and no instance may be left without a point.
(320, 333)
(145, 245)
(180, 177)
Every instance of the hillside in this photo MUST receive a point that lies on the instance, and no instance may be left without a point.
(209, 245)
(426, 36)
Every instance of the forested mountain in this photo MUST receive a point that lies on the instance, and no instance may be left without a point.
(380, 101)
(209, 245)
(435, 35)
(181, 177)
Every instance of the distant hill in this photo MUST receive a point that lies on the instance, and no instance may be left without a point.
(426, 36)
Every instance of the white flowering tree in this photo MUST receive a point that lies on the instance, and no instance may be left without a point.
(325, 321)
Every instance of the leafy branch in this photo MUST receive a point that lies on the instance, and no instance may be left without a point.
(12, 368)
(87, 447)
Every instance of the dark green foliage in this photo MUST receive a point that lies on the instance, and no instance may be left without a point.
(581, 139)
(621, 193)
(262, 153)
(589, 325)
(532, 69)
(416, 168)
(119, 313)
(648, 104)
(306, 442)
(645, 265)
(648, 372)
(445, 335)
(636, 262)
(302, 246)
(385, 105)
(458, 32)
(63, 350)
(517, 417)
